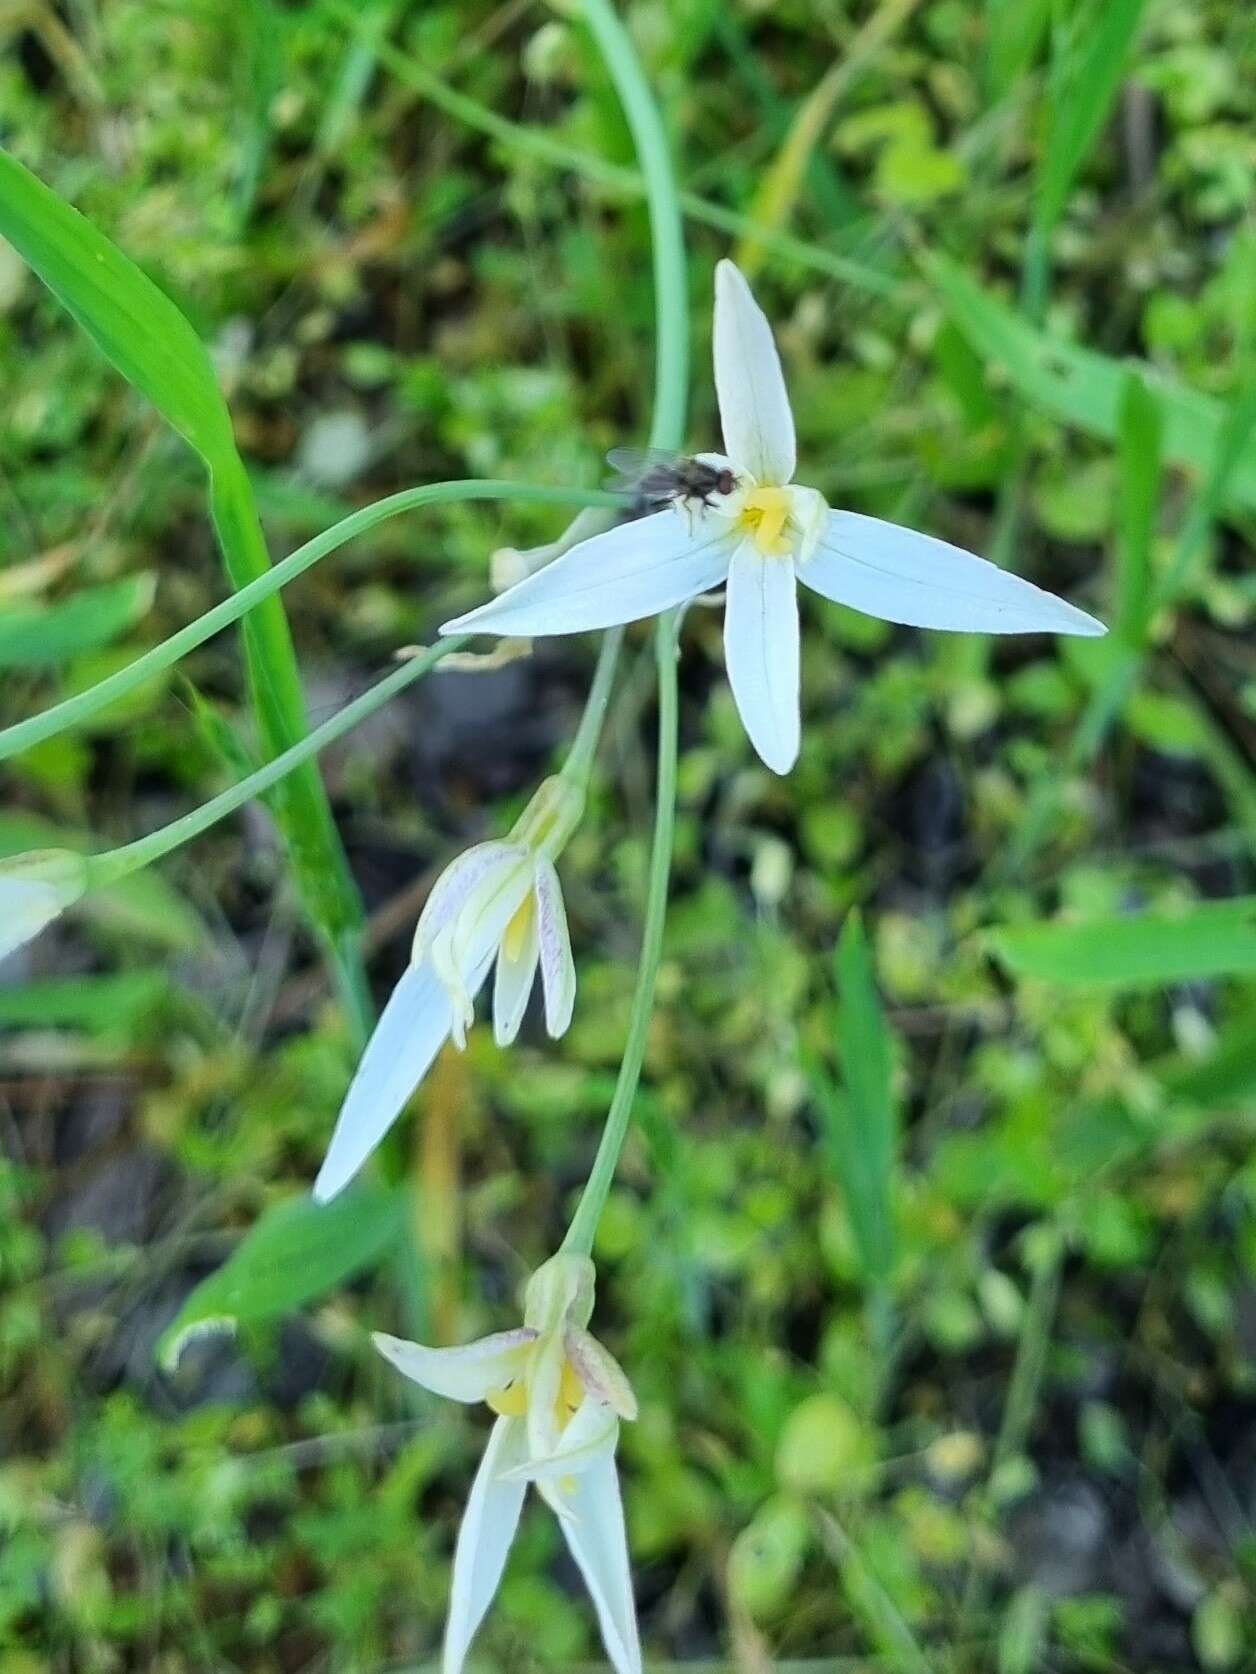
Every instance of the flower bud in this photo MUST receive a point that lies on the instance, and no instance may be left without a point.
(35, 888)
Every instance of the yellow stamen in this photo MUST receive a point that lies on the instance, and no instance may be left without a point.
(517, 930)
(764, 517)
(511, 1402)
(570, 1393)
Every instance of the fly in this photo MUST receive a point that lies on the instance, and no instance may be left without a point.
(659, 479)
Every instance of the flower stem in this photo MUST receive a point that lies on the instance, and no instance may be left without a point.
(117, 863)
(23, 734)
(667, 229)
(667, 429)
(583, 1226)
(580, 757)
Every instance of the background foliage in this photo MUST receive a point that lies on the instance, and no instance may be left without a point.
(957, 1371)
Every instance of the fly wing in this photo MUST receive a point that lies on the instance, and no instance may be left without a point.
(633, 465)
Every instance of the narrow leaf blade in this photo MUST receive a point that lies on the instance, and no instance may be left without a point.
(133, 323)
(1210, 939)
(295, 1253)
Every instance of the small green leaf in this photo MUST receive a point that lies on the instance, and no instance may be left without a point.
(1213, 938)
(132, 322)
(43, 636)
(295, 1253)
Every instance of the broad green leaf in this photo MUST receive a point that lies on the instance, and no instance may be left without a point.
(132, 322)
(861, 1120)
(1080, 95)
(41, 636)
(1139, 434)
(295, 1253)
(1210, 939)
(1080, 387)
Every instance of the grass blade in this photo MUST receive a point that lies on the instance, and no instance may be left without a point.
(861, 1120)
(296, 1252)
(1209, 939)
(1139, 436)
(1080, 96)
(143, 334)
(1082, 388)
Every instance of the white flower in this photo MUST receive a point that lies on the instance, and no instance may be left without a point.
(762, 539)
(35, 888)
(559, 1396)
(500, 900)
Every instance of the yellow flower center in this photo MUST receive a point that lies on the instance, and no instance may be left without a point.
(517, 930)
(512, 1402)
(765, 517)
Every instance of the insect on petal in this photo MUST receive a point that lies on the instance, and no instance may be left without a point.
(922, 582)
(631, 571)
(754, 403)
(761, 652)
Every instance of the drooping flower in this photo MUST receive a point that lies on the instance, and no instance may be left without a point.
(500, 901)
(36, 888)
(559, 1396)
(762, 538)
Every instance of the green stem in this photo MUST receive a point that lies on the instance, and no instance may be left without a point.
(671, 302)
(667, 228)
(117, 863)
(23, 734)
(580, 757)
(580, 1233)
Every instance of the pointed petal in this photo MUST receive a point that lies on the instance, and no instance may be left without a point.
(468, 1372)
(545, 1380)
(922, 582)
(592, 1431)
(449, 893)
(599, 1371)
(633, 570)
(558, 968)
(488, 1528)
(413, 1028)
(594, 1530)
(761, 652)
(754, 403)
(513, 983)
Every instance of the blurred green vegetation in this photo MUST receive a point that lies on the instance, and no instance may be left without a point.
(1013, 1429)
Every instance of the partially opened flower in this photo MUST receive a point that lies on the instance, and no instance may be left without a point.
(762, 537)
(559, 1397)
(500, 900)
(36, 888)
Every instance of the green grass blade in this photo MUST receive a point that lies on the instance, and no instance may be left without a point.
(1210, 939)
(151, 344)
(1080, 97)
(1139, 437)
(861, 1121)
(296, 1252)
(1082, 388)
(132, 323)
